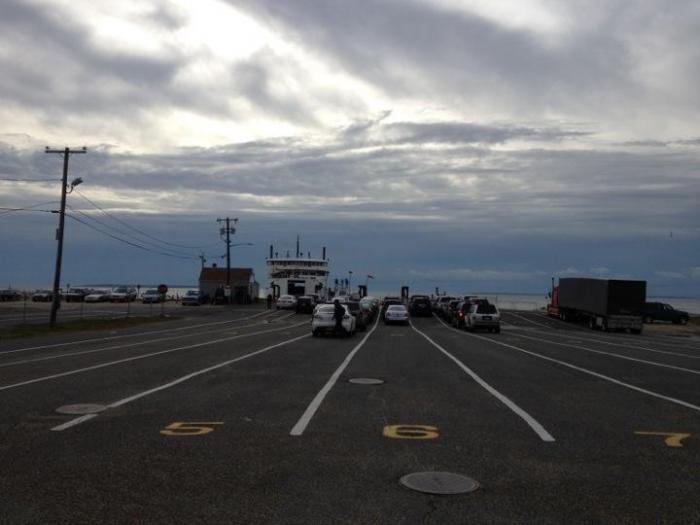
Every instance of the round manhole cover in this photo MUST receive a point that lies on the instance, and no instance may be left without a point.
(365, 381)
(82, 408)
(439, 483)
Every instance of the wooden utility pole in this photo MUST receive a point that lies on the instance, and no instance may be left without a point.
(228, 231)
(66, 152)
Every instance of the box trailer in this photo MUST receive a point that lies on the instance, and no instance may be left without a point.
(605, 304)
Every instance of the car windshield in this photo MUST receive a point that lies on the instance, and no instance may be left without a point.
(192, 293)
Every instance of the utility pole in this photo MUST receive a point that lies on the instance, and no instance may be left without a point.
(228, 230)
(202, 258)
(66, 152)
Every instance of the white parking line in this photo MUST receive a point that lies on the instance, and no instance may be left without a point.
(143, 356)
(656, 339)
(529, 320)
(138, 334)
(560, 333)
(585, 371)
(622, 356)
(570, 345)
(116, 347)
(182, 379)
(310, 411)
(531, 421)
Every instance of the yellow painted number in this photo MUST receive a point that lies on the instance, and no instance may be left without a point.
(673, 439)
(183, 428)
(410, 432)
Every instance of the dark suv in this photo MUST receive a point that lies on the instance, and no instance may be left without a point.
(306, 304)
(664, 312)
(420, 307)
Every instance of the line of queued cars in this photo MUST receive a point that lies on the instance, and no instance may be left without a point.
(359, 315)
(468, 313)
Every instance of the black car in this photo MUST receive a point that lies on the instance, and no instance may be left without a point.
(664, 312)
(195, 298)
(10, 295)
(420, 307)
(76, 295)
(305, 304)
(361, 316)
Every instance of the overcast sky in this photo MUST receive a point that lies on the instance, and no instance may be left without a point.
(471, 145)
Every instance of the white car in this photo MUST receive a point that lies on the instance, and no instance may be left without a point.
(396, 313)
(98, 296)
(324, 321)
(122, 294)
(483, 315)
(152, 296)
(286, 302)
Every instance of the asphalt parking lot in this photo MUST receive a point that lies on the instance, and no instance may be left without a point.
(240, 416)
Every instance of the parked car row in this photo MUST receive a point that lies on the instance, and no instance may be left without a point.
(469, 313)
(120, 294)
(359, 315)
(10, 295)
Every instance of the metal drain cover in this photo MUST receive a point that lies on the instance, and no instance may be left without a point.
(82, 408)
(439, 483)
(366, 381)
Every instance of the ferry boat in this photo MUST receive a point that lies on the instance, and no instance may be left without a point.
(297, 275)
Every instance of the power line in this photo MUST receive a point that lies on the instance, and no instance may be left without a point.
(125, 241)
(28, 180)
(125, 233)
(141, 232)
(28, 208)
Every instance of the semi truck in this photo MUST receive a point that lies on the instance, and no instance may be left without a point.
(603, 304)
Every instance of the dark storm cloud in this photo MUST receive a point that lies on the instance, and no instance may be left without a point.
(54, 62)
(411, 48)
(254, 79)
(423, 175)
(52, 46)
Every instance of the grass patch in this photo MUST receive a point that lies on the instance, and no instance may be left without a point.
(80, 325)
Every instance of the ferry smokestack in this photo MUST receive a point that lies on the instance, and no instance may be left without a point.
(324, 253)
(270, 251)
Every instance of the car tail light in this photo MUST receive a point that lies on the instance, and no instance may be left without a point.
(461, 314)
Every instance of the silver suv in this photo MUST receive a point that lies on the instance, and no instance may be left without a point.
(483, 315)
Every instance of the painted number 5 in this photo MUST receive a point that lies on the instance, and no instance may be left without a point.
(411, 432)
(183, 428)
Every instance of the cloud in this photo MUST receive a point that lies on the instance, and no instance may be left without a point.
(470, 274)
(665, 274)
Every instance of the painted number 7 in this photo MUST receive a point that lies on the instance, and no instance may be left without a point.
(183, 428)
